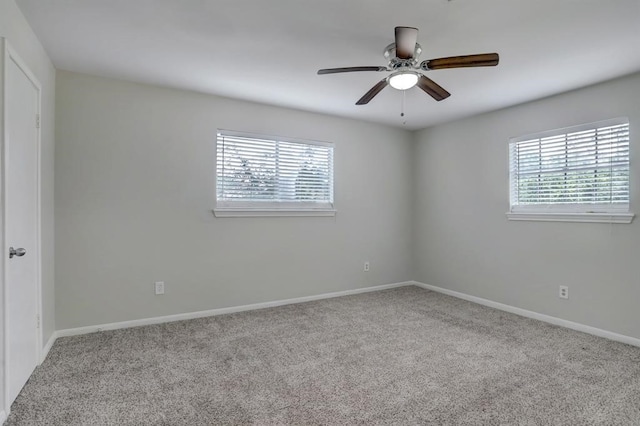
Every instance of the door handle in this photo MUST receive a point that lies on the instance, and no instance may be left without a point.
(16, 252)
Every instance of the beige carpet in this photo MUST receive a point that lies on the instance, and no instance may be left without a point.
(401, 356)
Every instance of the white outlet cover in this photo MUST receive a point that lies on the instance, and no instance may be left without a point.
(564, 292)
(159, 285)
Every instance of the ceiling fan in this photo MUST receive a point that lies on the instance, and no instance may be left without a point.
(403, 61)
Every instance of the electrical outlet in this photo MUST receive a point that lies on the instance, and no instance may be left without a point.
(159, 287)
(366, 266)
(564, 292)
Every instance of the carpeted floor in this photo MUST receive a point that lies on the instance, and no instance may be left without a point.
(401, 356)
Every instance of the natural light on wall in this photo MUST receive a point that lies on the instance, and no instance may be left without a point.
(579, 173)
(272, 176)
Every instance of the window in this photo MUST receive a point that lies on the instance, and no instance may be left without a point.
(272, 176)
(578, 173)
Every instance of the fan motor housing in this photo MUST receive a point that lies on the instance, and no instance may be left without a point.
(395, 62)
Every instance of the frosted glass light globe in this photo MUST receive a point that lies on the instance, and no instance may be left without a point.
(403, 80)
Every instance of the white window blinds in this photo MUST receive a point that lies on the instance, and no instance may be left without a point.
(258, 172)
(582, 168)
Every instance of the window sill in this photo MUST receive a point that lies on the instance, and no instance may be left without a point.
(263, 212)
(572, 217)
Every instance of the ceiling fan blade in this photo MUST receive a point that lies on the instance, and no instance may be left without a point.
(482, 60)
(373, 92)
(432, 88)
(349, 69)
(406, 39)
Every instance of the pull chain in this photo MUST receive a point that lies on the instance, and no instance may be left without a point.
(402, 107)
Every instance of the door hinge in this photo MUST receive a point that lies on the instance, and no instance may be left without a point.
(38, 321)
(37, 121)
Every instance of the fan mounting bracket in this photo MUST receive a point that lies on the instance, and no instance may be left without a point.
(395, 62)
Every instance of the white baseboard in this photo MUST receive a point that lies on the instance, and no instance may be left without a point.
(3, 417)
(535, 315)
(200, 314)
(47, 347)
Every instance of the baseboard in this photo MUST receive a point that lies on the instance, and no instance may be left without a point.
(535, 315)
(220, 311)
(47, 347)
(3, 417)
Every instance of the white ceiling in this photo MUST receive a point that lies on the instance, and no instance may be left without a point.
(269, 51)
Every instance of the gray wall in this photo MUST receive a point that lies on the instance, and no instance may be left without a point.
(18, 33)
(464, 242)
(134, 193)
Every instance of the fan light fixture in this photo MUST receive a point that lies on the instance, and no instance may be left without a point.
(407, 71)
(403, 80)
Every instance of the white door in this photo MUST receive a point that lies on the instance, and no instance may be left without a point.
(21, 226)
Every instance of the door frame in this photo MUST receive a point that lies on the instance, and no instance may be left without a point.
(7, 53)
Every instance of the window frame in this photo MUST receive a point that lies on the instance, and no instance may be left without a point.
(226, 208)
(560, 212)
